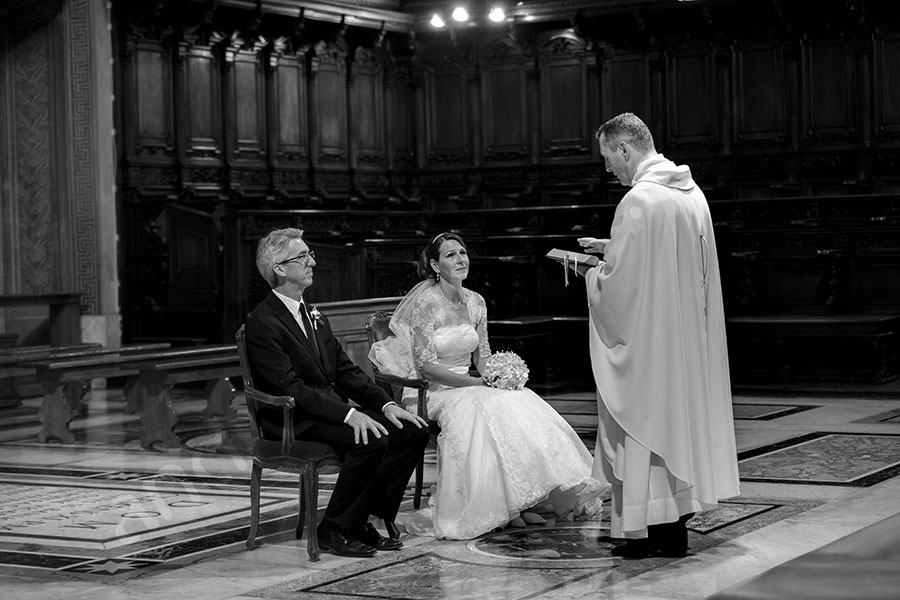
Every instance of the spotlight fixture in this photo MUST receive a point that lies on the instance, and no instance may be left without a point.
(468, 13)
(460, 14)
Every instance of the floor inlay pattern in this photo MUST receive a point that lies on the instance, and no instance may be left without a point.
(120, 523)
(518, 563)
(891, 416)
(825, 458)
(767, 412)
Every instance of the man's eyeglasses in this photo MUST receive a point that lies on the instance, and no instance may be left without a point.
(302, 258)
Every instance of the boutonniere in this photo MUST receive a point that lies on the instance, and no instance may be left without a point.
(316, 317)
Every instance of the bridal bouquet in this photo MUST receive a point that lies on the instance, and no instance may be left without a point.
(506, 371)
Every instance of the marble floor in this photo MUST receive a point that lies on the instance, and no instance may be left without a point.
(104, 519)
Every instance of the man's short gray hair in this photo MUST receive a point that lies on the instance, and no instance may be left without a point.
(273, 249)
(627, 127)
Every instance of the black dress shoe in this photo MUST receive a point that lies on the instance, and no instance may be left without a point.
(670, 539)
(634, 549)
(334, 542)
(370, 537)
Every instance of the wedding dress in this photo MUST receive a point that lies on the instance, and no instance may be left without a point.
(500, 452)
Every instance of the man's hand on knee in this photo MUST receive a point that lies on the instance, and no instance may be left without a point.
(362, 424)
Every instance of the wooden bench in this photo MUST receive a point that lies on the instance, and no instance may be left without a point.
(862, 566)
(11, 358)
(147, 390)
(62, 380)
(813, 347)
(134, 396)
(150, 372)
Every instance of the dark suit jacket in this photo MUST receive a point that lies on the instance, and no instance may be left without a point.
(283, 362)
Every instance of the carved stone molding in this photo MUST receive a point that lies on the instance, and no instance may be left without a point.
(83, 187)
(37, 247)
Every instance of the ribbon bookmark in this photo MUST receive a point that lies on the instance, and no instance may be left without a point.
(566, 269)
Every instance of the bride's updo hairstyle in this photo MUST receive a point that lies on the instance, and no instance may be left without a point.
(432, 252)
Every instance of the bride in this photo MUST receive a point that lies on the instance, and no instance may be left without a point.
(500, 452)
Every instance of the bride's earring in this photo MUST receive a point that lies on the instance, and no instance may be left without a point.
(437, 276)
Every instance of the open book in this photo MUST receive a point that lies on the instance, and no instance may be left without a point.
(571, 260)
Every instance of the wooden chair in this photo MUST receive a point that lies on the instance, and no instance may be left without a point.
(307, 459)
(377, 329)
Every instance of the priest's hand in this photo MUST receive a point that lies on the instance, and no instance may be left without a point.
(593, 245)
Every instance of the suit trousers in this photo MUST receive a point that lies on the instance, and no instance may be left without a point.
(373, 477)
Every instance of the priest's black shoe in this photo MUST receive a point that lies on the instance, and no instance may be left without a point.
(331, 540)
(370, 537)
(670, 539)
(634, 549)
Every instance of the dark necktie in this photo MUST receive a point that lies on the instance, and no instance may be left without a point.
(307, 324)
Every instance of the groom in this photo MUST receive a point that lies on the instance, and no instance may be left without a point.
(295, 354)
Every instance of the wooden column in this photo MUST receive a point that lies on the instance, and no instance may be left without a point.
(271, 56)
(312, 103)
(227, 54)
(352, 142)
(421, 131)
(724, 58)
(534, 112)
(475, 114)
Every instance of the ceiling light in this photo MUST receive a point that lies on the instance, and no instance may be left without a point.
(497, 15)
(460, 14)
(437, 21)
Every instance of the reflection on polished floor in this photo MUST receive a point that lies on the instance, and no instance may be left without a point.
(103, 518)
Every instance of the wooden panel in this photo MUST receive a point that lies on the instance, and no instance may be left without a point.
(153, 135)
(204, 134)
(401, 133)
(505, 112)
(368, 113)
(625, 87)
(691, 94)
(887, 66)
(249, 115)
(759, 94)
(828, 86)
(330, 279)
(447, 139)
(876, 273)
(332, 89)
(564, 108)
(292, 126)
(348, 323)
(193, 260)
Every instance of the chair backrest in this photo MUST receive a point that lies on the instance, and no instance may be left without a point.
(255, 432)
(242, 356)
(378, 326)
(377, 329)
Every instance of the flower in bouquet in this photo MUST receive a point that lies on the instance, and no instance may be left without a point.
(505, 370)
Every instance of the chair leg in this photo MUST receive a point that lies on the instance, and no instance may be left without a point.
(312, 504)
(255, 480)
(392, 530)
(420, 475)
(301, 514)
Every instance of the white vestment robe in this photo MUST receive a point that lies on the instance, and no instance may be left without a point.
(657, 338)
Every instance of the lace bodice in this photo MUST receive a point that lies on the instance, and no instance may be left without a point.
(454, 345)
(446, 335)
